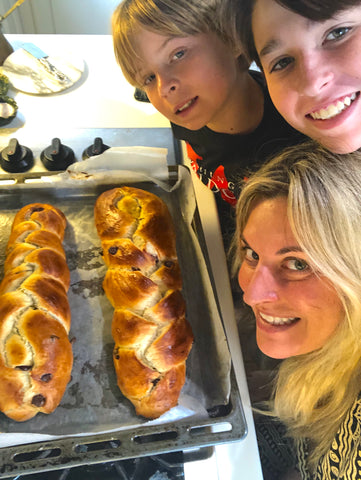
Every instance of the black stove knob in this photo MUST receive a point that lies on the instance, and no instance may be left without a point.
(57, 156)
(97, 148)
(16, 158)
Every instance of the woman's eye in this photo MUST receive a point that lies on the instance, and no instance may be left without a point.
(337, 33)
(149, 79)
(297, 264)
(250, 255)
(281, 64)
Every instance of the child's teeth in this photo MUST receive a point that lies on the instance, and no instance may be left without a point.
(333, 110)
(185, 106)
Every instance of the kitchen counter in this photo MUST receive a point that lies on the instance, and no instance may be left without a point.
(100, 99)
(103, 99)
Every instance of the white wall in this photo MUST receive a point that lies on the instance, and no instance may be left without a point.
(59, 16)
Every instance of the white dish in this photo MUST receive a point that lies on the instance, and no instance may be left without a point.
(27, 74)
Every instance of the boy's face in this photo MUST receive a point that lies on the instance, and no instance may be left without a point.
(190, 79)
(313, 71)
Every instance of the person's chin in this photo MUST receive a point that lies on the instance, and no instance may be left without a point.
(189, 123)
(339, 141)
(274, 349)
(342, 146)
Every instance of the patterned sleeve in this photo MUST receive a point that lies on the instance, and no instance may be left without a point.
(343, 460)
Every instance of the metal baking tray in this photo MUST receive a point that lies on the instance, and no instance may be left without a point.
(94, 422)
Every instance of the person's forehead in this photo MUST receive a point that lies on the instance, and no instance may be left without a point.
(268, 220)
(269, 19)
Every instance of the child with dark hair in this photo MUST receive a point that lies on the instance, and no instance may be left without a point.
(309, 52)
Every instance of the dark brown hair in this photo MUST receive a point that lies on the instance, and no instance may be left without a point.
(318, 10)
(315, 10)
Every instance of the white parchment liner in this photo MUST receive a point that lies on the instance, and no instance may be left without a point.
(92, 402)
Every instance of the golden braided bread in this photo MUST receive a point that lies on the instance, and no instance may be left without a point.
(35, 353)
(143, 283)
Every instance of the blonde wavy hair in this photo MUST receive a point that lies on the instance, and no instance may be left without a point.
(174, 18)
(313, 392)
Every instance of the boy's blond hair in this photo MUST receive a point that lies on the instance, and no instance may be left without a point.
(175, 18)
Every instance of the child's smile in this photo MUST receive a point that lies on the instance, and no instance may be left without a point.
(194, 81)
(186, 106)
(313, 71)
(335, 108)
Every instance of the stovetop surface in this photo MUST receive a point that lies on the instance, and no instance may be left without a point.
(80, 142)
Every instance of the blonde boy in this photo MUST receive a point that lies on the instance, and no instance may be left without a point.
(187, 57)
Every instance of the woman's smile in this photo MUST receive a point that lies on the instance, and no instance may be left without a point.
(296, 309)
(272, 320)
(312, 71)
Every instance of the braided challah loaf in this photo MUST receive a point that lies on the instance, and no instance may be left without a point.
(35, 352)
(143, 283)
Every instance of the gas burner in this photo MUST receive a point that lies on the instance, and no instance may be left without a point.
(23, 151)
(96, 148)
(16, 158)
(57, 156)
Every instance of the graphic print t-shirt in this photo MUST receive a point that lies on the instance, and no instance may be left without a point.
(221, 160)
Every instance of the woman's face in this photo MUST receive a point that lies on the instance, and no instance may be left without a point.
(296, 310)
(313, 71)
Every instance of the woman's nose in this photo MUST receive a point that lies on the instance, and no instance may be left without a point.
(313, 76)
(260, 286)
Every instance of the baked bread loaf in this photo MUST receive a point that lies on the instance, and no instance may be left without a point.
(35, 353)
(143, 283)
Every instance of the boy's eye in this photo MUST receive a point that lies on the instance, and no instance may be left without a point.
(337, 33)
(281, 64)
(179, 54)
(297, 264)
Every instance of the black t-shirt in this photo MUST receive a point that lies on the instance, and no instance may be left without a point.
(221, 160)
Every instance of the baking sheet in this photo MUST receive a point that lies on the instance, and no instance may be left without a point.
(92, 402)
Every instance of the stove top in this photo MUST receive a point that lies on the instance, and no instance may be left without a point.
(30, 152)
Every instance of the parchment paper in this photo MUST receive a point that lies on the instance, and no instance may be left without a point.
(92, 402)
